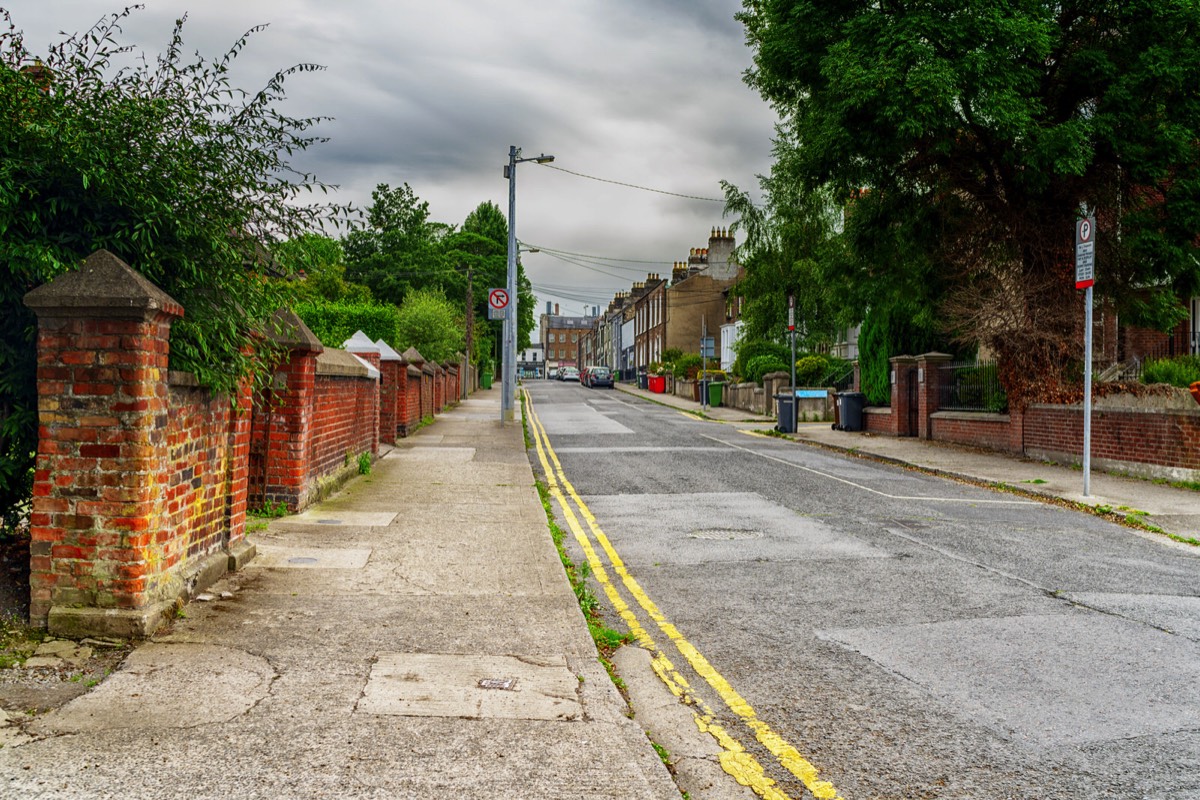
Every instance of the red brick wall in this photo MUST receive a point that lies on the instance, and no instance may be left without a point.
(879, 421)
(1141, 342)
(142, 478)
(993, 431)
(343, 415)
(207, 441)
(1162, 438)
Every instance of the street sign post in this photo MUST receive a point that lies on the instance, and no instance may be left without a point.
(1085, 278)
(792, 336)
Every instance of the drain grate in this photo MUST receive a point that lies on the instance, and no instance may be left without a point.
(302, 560)
(329, 522)
(504, 684)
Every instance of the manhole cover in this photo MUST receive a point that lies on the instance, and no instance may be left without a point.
(302, 560)
(725, 534)
(506, 684)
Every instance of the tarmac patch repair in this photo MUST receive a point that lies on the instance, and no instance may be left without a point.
(471, 687)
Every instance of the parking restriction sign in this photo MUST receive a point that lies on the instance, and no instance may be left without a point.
(1085, 252)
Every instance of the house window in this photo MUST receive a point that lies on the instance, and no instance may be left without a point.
(574, 338)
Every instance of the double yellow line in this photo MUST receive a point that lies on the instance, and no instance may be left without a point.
(743, 766)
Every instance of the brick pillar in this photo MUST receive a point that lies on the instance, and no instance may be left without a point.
(281, 437)
(412, 400)
(452, 386)
(903, 370)
(391, 367)
(361, 345)
(427, 397)
(929, 393)
(99, 545)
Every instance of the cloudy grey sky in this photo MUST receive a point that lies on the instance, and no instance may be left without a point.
(432, 93)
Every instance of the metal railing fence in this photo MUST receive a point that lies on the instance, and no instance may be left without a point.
(967, 386)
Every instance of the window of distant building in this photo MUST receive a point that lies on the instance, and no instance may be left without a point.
(574, 338)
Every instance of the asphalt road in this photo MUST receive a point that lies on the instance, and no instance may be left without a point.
(866, 631)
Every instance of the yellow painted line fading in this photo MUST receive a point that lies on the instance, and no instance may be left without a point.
(785, 753)
(734, 759)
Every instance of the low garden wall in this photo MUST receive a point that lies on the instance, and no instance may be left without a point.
(1155, 435)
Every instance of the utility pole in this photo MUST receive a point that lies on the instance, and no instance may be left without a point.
(509, 384)
(470, 328)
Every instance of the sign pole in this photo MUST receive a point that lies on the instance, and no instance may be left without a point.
(792, 336)
(1087, 393)
(703, 362)
(1085, 278)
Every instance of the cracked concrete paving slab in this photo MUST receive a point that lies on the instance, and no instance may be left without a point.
(167, 686)
(350, 629)
(470, 686)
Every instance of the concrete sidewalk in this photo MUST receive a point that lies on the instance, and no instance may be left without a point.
(413, 637)
(1176, 511)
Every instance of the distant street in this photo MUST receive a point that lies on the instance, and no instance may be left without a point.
(866, 631)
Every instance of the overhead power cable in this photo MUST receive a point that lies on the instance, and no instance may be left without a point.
(635, 186)
(597, 259)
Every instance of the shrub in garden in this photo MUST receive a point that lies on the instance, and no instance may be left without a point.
(760, 365)
(1181, 371)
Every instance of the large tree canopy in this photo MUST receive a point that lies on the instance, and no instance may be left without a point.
(963, 138)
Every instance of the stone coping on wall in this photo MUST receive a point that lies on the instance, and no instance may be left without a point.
(971, 416)
(1178, 401)
(341, 363)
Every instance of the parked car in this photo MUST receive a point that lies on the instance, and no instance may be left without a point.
(570, 374)
(599, 376)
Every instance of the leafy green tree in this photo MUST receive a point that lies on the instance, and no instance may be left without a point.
(978, 129)
(431, 323)
(789, 248)
(317, 265)
(399, 247)
(164, 163)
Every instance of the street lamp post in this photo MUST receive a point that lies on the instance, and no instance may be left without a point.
(508, 391)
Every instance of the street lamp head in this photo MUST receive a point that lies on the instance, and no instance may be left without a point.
(544, 159)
